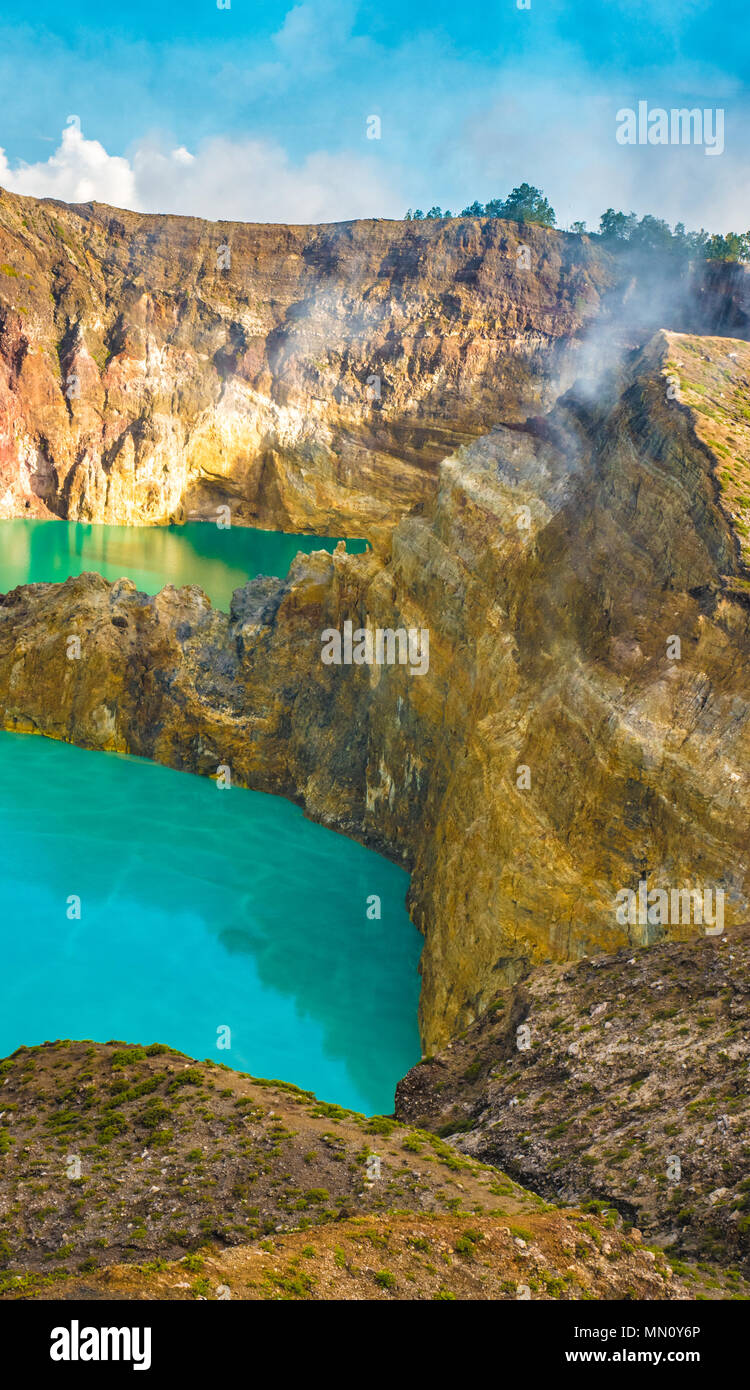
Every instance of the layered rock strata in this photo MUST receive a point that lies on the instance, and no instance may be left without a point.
(311, 378)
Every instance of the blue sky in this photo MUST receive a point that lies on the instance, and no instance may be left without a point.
(260, 111)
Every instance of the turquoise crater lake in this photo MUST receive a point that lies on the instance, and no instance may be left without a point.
(201, 909)
(218, 561)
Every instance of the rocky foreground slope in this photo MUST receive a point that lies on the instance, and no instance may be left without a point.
(622, 1079)
(136, 1172)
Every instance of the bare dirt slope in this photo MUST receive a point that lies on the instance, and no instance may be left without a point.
(191, 1176)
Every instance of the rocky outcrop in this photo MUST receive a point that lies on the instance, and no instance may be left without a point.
(584, 722)
(621, 1079)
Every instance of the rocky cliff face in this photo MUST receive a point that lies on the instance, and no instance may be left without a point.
(308, 377)
(577, 562)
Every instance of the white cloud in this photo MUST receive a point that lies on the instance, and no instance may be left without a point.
(80, 170)
(243, 180)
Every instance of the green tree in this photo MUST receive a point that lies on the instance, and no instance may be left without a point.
(616, 226)
(476, 210)
(528, 204)
(652, 234)
(696, 242)
(735, 246)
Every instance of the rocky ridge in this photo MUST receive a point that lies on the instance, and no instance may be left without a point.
(620, 1079)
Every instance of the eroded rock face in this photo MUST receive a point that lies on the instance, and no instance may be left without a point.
(312, 378)
(561, 747)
